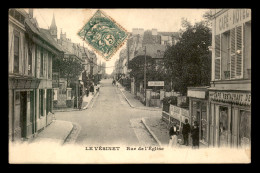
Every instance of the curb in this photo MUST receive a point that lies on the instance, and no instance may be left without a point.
(70, 110)
(134, 106)
(153, 135)
(72, 136)
(86, 107)
(68, 134)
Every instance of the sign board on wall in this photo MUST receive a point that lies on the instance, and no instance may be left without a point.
(179, 113)
(231, 18)
(238, 98)
(196, 94)
(155, 83)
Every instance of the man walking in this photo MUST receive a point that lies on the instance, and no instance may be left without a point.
(185, 132)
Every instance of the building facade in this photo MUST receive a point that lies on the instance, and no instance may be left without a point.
(226, 121)
(30, 75)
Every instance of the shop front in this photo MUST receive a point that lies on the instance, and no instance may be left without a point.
(22, 100)
(230, 118)
(199, 111)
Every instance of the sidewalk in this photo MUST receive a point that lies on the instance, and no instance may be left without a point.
(85, 104)
(159, 130)
(57, 132)
(135, 103)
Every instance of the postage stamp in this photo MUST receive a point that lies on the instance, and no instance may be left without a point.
(103, 34)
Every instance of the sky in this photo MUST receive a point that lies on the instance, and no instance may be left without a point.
(72, 20)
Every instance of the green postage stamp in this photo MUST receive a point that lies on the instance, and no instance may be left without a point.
(103, 34)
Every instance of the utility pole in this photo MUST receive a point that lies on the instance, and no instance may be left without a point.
(145, 72)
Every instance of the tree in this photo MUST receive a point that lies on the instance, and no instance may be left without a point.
(154, 70)
(189, 61)
(68, 67)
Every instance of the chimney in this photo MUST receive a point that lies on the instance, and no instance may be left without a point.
(31, 13)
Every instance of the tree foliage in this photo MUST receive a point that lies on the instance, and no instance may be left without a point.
(189, 61)
(154, 70)
(69, 68)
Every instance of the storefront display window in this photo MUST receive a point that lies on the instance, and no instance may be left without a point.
(244, 130)
(204, 123)
(223, 126)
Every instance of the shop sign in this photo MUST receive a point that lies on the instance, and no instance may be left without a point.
(232, 18)
(155, 83)
(197, 94)
(237, 98)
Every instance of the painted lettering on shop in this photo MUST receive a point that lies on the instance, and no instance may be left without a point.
(231, 18)
(240, 98)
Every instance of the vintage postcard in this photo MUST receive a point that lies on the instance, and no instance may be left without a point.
(120, 86)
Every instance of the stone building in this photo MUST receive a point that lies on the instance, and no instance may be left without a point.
(223, 110)
(30, 75)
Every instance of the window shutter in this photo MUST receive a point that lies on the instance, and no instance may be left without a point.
(217, 46)
(239, 47)
(217, 68)
(217, 57)
(232, 53)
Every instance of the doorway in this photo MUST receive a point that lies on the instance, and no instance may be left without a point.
(23, 112)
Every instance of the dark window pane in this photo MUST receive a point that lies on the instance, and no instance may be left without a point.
(16, 54)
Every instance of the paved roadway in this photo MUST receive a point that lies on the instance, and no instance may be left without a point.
(110, 120)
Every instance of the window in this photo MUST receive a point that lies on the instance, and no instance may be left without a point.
(41, 63)
(29, 60)
(225, 56)
(41, 101)
(247, 50)
(204, 123)
(49, 101)
(49, 65)
(236, 52)
(36, 60)
(16, 51)
(245, 128)
(217, 57)
(223, 126)
(15, 14)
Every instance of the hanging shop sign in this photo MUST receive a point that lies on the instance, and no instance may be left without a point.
(236, 98)
(232, 18)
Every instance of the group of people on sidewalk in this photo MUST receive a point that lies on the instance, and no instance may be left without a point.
(176, 138)
(86, 93)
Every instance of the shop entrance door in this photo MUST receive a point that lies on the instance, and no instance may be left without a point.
(23, 112)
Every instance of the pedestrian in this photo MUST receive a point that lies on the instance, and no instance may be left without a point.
(80, 102)
(173, 132)
(195, 135)
(185, 132)
(92, 89)
(87, 91)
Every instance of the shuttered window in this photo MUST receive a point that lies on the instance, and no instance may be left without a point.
(232, 52)
(239, 56)
(217, 57)
(236, 52)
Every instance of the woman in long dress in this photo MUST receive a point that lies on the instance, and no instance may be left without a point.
(173, 136)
